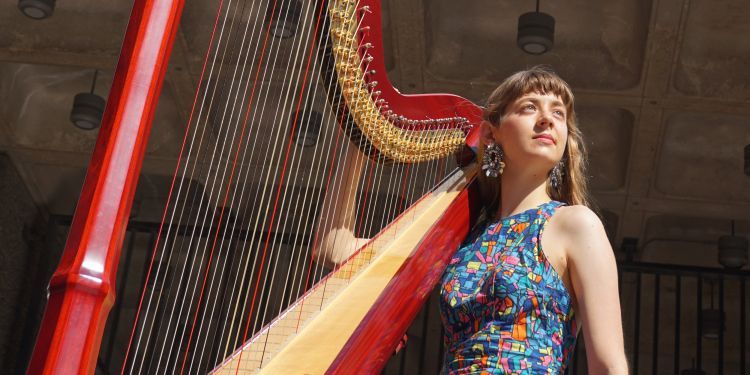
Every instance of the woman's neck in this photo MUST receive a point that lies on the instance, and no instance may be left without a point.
(521, 191)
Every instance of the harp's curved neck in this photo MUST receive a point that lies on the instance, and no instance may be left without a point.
(81, 291)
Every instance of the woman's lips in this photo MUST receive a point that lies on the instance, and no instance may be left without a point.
(545, 139)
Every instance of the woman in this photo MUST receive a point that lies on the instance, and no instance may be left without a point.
(540, 267)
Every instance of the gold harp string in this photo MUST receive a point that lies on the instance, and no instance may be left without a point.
(145, 326)
(337, 184)
(256, 118)
(256, 226)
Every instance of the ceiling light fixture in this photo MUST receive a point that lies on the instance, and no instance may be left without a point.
(536, 32)
(732, 250)
(37, 9)
(629, 247)
(88, 108)
(284, 18)
(693, 370)
(712, 319)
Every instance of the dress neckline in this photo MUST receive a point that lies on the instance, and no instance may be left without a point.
(523, 212)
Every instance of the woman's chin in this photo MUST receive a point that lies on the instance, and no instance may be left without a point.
(542, 155)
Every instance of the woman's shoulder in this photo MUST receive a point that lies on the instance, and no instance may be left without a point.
(575, 221)
(579, 225)
(576, 214)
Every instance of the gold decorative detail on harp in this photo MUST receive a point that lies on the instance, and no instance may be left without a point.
(256, 204)
(398, 138)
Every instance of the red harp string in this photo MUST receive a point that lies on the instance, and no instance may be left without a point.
(253, 214)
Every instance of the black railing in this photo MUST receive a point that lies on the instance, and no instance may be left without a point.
(665, 308)
(675, 318)
(681, 318)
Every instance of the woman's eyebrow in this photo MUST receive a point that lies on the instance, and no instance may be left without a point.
(558, 103)
(555, 103)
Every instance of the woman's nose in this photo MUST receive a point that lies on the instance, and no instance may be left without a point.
(545, 119)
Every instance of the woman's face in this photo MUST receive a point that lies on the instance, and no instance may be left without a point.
(533, 131)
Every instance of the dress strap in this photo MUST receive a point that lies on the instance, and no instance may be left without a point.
(551, 207)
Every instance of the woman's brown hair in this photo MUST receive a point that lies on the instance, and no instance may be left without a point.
(574, 186)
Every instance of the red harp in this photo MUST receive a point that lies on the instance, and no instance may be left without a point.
(246, 287)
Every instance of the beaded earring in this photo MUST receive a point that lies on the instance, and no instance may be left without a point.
(492, 163)
(556, 175)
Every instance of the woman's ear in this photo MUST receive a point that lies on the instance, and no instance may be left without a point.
(485, 132)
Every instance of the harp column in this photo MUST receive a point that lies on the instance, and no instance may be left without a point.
(81, 291)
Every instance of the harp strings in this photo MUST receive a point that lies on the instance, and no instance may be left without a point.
(141, 334)
(336, 187)
(251, 107)
(357, 202)
(200, 206)
(231, 271)
(287, 82)
(270, 253)
(265, 195)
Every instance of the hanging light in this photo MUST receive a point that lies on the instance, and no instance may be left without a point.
(284, 18)
(693, 370)
(712, 319)
(88, 108)
(536, 32)
(629, 247)
(37, 9)
(732, 250)
(712, 322)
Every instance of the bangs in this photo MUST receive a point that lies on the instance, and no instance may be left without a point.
(535, 80)
(543, 85)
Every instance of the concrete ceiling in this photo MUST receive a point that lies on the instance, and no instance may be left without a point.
(662, 88)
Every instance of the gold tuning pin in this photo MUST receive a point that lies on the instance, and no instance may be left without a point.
(396, 137)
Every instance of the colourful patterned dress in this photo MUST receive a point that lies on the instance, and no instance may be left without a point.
(504, 308)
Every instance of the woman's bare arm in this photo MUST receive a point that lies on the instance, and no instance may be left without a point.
(593, 273)
(337, 215)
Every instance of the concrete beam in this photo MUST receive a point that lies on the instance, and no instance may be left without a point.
(59, 58)
(408, 30)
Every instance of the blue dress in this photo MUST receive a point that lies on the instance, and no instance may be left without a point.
(504, 308)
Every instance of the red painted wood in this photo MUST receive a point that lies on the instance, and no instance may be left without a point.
(82, 289)
(368, 350)
(415, 107)
(375, 340)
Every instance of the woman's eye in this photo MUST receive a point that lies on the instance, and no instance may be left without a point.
(529, 107)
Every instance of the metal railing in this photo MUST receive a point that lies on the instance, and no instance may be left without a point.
(665, 308)
(675, 318)
(682, 318)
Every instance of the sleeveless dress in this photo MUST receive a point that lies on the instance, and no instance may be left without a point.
(504, 308)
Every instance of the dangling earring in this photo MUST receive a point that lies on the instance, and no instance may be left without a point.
(556, 175)
(492, 163)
